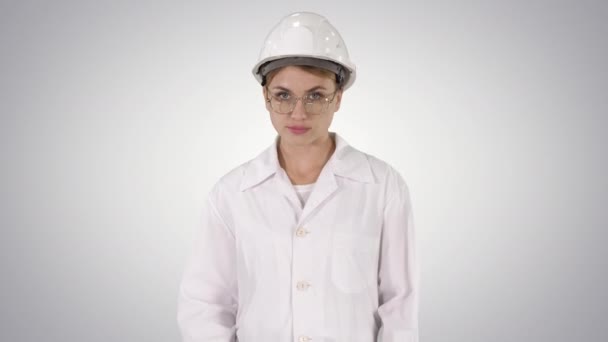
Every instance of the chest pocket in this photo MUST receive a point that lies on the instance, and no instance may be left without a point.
(353, 262)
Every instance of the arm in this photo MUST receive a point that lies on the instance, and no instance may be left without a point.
(207, 301)
(398, 268)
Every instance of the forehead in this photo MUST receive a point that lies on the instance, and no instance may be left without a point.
(297, 78)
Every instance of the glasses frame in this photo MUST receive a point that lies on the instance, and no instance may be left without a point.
(295, 100)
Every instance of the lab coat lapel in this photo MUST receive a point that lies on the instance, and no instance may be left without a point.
(346, 162)
(325, 186)
(286, 189)
(266, 167)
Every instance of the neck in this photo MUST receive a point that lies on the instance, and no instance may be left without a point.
(306, 162)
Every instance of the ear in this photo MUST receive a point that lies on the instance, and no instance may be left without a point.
(338, 100)
(265, 94)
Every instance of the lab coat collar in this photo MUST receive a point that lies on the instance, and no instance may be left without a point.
(346, 161)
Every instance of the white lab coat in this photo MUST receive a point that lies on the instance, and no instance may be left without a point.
(343, 268)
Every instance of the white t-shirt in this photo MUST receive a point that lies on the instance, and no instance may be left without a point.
(303, 191)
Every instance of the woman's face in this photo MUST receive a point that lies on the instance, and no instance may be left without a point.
(292, 81)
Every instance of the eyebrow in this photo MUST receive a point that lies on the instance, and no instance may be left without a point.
(309, 90)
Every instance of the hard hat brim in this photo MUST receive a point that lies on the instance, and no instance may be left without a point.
(331, 66)
(261, 69)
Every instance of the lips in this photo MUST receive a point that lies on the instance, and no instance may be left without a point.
(298, 129)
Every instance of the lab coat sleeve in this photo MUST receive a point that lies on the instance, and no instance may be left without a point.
(207, 300)
(398, 268)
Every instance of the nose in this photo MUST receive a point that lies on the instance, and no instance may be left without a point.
(299, 111)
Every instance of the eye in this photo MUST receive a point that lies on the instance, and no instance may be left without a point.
(316, 96)
(282, 95)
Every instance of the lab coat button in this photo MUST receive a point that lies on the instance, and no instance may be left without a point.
(303, 285)
(304, 339)
(301, 232)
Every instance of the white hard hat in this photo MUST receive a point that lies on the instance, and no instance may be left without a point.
(305, 38)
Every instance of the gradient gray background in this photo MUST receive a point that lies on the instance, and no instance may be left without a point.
(118, 116)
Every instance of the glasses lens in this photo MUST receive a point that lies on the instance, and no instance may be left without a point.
(283, 106)
(312, 107)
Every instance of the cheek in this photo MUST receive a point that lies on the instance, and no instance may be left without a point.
(327, 119)
(275, 120)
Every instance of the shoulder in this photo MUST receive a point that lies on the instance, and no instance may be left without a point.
(389, 179)
(384, 172)
(228, 184)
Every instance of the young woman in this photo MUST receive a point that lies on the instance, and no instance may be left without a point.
(312, 240)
